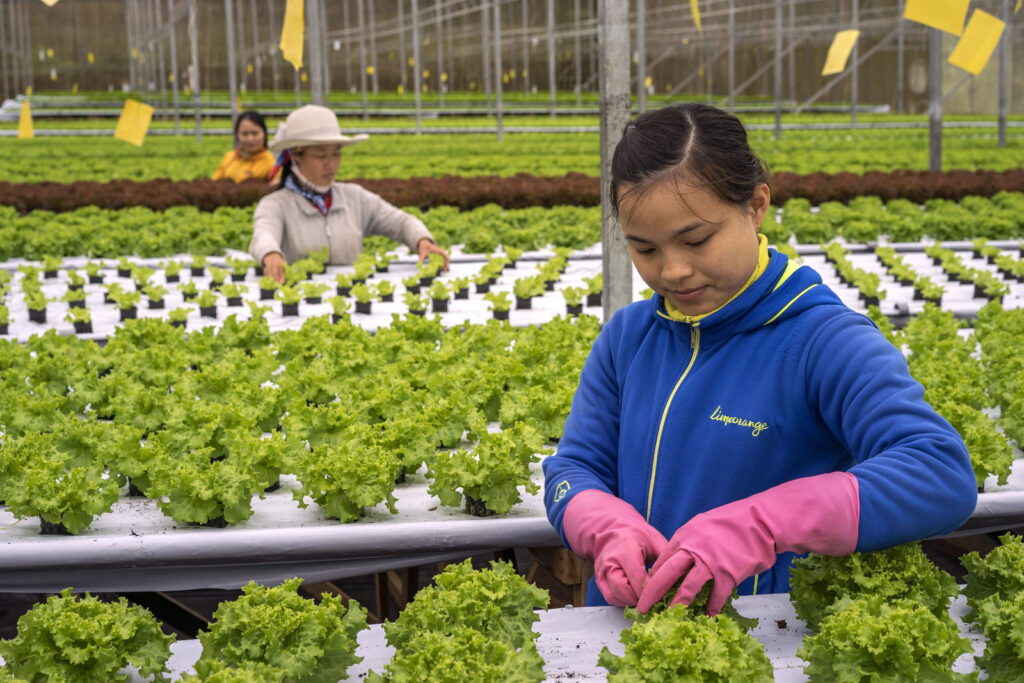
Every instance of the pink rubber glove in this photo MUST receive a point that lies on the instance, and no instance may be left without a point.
(728, 544)
(609, 532)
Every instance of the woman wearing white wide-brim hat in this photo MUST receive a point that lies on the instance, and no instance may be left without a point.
(312, 210)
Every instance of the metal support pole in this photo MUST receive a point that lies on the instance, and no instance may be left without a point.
(372, 24)
(708, 66)
(229, 30)
(577, 57)
(498, 85)
(26, 37)
(900, 68)
(732, 56)
(316, 67)
(325, 59)
(162, 72)
(275, 38)
(194, 73)
(614, 83)
(175, 99)
(257, 53)
(641, 50)
(129, 29)
(1004, 72)
(551, 53)
(417, 72)
(15, 57)
(778, 70)
(241, 58)
(855, 66)
(361, 21)
(347, 47)
(485, 51)
(526, 48)
(440, 53)
(935, 99)
(792, 52)
(3, 53)
(403, 62)
(451, 51)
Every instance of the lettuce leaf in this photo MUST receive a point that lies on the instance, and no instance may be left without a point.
(1000, 573)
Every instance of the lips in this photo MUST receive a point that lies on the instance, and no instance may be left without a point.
(686, 294)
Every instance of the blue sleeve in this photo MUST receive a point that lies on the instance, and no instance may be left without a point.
(587, 455)
(912, 467)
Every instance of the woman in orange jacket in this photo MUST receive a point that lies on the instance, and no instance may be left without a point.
(250, 157)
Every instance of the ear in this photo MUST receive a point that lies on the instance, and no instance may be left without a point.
(760, 203)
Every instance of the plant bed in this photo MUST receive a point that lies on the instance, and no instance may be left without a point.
(289, 309)
(83, 327)
(208, 311)
(523, 303)
(363, 306)
(37, 316)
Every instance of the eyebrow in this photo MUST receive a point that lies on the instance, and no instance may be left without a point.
(677, 233)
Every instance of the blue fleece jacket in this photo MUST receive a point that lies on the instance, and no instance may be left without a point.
(783, 382)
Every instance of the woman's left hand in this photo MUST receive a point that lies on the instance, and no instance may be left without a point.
(426, 247)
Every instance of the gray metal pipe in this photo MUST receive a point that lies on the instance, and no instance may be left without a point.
(935, 99)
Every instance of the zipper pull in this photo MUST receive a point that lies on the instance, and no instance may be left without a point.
(693, 336)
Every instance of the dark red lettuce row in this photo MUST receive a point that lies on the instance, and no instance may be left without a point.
(518, 191)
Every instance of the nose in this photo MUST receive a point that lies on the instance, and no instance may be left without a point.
(675, 267)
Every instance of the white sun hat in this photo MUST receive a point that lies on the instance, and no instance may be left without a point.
(311, 125)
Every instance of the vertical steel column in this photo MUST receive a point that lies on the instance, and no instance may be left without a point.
(176, 100)
(485, 50)
(614, 85)
(792, 51)
(526, 48)
(641, 49)
(577, 57)
(229, 30)
(275, 38)
(316, 67)
(708, 67)
(403, 62)
(440, 54)
(854, 64)
(361, 21)
(372, 23)
(935, 99)
(241, 56)
(7, 92)
(900, 69)
(417, 73)
(778, 70)
(194, 72)
(451, 50)
(129, 29)
(257, 50)
(732, 56)
(161, 71)
(15, 56)
(498, 85)
(325, 54)
(346, 46)
(551, 53)
(1004, 71)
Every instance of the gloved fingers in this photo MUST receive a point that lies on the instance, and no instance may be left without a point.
(666, 571)
(694, 580)
(720, 592)
(634, 568)
(615, 586)
(654, 546)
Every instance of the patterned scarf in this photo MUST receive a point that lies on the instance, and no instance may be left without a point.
(297, 183)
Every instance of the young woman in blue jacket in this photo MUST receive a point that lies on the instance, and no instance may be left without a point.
(743, 413)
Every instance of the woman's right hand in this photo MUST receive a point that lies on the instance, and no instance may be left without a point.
(274, 266)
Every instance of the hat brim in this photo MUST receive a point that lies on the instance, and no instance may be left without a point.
(278, 146)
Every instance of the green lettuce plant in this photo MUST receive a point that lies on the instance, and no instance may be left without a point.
(500, 301)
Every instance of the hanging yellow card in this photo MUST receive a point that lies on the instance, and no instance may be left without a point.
(134, 122)
(945, 15)
(839, 52)
(25, 129)
(695, 10)
(979, 41)
(291, 32)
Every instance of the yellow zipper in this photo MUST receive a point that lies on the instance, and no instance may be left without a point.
(695, 345)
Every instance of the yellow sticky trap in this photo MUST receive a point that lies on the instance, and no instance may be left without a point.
(1017, 8)
(979, 41)
(49, 53)
(370, 70)
(291, 33)
(25, 129)
(170, 78)
(91, 57)
(74, 88)
(303, 77)
(401, 90)
(249, 69)
(839, 52)
(411, 62)
(426, 87)
(504, 79)
(426, 73)
(444, 77)
(28, 91)
(134, 122)
(647, 82)
(945, 15)
(135, 53)
(695, 11)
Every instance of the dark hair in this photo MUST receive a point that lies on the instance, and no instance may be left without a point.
(255, 117)
(690, 142)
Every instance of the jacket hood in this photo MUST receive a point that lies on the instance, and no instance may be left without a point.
(783, 290)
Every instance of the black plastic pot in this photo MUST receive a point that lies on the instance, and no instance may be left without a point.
(335, 318)
(234, 301)
(363, 306)
(387, 298)
(594, 299)
(259, 271)
(197, 271)
(477, 508)
(50, 529)
(208, 311)
(189, 296)
(979, 293)
(215, 523)
(237, 277)
(77, 304)
(74, 288)
(483, 287)
(83, 327)
(124, 272)
(413, 289)
(3, 329)
(343, 291)
(37, 316)
(313, 300)
(381, 268)
(549, 285)
(918, 296)
(462, 293)
(289, 309)
(178, 323)
(523, 303)
(96, 279)
(870, 300)
(267, 294)
(129, 313)
(419, 313)
(156, 305)
(574, 309)
(174, 278)
(501, 315)
(134, 491)
(439, 305)
(426, 280)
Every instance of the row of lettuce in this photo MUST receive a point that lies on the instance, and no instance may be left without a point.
(471, 154)
(870, 616)
(96, 233)
(204, 422)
